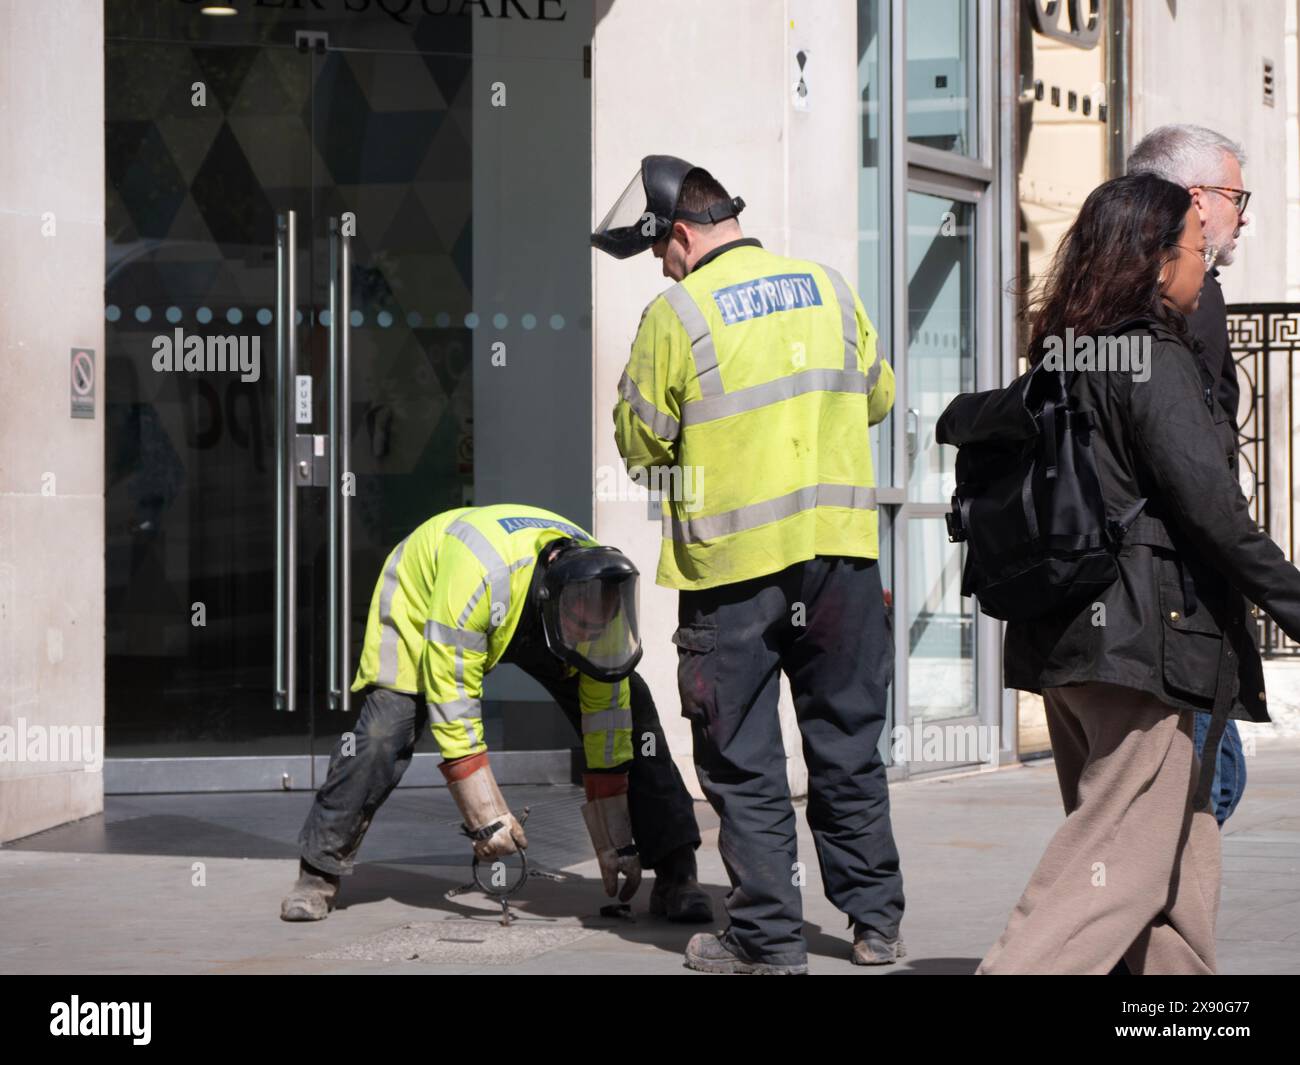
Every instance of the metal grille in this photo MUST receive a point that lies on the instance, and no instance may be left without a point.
(1264, 338)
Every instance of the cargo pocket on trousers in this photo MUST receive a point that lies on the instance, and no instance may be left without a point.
(695, 684)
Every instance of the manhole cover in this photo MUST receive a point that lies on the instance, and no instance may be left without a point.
(461, 941)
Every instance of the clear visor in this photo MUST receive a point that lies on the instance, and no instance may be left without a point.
(628, 210)
(597, 621)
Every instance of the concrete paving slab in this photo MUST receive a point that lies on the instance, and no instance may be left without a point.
(190, 884)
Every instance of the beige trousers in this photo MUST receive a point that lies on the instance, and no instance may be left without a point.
(1132, 872)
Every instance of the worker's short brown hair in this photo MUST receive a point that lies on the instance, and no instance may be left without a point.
(700, 191)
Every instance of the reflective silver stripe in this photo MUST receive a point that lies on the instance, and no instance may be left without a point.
(697, 328)
(478, 543)
(466, 638)
(479, 592)
(873, 375)
(617, 717)
(454, 711)
(498, 573)
(697, 530)
(609, 733)
(388, 637)
(608, 720)
(848, 316)
(663, 425)
(795, 384)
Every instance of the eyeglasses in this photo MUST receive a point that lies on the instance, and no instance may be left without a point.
(1208, 256)
(1239, 197)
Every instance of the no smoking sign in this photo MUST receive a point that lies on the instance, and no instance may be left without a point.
(83, 383)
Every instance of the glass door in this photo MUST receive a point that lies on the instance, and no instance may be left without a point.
(206, 147)
(394, 239)
(940, 363)
(938, 314)
(391, 352)
(451, 288)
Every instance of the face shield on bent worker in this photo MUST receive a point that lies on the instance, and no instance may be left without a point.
(589, 611)
(645, 212)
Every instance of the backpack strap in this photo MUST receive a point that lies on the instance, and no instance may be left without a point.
(1049, 438)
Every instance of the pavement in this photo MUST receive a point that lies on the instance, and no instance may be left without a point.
(192, 884)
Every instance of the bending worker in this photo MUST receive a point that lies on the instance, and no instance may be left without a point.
(468, 589)
(762, 372)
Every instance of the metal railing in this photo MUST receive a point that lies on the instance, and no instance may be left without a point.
(1264, 338)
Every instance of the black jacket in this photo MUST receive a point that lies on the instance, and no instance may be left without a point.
(1209, 324)
(1187, 566)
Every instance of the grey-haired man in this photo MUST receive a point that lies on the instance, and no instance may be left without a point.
(1208, 165)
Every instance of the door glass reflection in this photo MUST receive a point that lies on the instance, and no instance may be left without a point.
(873, 216)
(940, 88)
(940, 626)
(940, 319)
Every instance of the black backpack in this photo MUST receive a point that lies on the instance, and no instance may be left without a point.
(1028, 502)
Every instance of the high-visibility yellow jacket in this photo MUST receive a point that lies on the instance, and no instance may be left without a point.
(448, 602)
(754, 381)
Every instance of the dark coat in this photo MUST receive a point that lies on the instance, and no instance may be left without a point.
(1190, 561)
(1209, 324)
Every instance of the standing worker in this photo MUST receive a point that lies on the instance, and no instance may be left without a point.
(756, 377)
(507, 583)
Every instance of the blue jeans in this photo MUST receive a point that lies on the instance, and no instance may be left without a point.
(1229, 770)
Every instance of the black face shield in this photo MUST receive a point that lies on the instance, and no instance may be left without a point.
(645, 212)
(588, 599)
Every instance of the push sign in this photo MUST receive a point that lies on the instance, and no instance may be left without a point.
(83, 383)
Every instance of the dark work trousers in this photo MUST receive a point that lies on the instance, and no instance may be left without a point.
(390, 723)
(823, 623)
(661, 809)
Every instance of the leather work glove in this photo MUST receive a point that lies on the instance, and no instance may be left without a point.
(610, 827)
(488, 821)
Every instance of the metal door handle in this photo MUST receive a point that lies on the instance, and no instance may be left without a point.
(286, 511)
(912, 428)
(340, 433)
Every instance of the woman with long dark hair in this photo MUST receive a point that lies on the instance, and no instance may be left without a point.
(1133, 872)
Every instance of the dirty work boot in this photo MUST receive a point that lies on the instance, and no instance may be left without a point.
(676, 894)
(871, 948)
(312, 897)
(706, 953)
